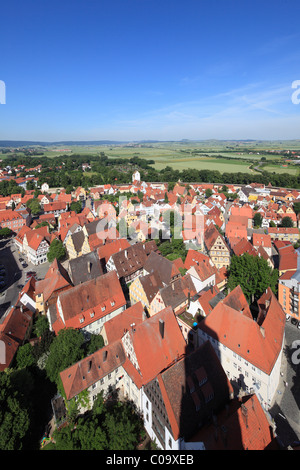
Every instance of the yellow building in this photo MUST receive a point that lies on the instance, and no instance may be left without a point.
(144, 288)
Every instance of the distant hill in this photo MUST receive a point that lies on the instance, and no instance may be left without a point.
(208, 142)
(32, 143)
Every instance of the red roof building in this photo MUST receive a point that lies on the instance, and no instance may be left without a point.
(250, 352)
(84, 305)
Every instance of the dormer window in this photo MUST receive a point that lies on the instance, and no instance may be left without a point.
(92, 314)
(103, 308)
(112, 303)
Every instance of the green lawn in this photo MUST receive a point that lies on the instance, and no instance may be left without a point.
(291, 170)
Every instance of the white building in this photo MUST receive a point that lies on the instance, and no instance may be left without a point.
(136, 176)
(249, 351)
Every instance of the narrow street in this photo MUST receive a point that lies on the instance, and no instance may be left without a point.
(15, 275)
(285, 409)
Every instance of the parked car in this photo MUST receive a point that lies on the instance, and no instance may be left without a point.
(294, 321)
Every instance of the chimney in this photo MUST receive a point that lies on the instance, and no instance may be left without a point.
(162, 328)
(89, 266)
(104, 356)
(245, 414)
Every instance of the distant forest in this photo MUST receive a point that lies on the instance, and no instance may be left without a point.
(66, 171)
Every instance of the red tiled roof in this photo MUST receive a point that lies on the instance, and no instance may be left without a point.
(243, 335)
(117, 326)
(105, 251)
(91, 300)
(92, 368)
(244, 246)
(55, 280)
(153, 352)
(246, 427)
(261, 239)
(194, 257)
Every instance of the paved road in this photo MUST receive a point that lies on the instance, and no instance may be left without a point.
(15, 274)
(286, 404)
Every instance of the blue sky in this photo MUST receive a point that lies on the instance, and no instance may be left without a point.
(149, 69)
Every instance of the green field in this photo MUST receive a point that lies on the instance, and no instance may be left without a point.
(238, 156)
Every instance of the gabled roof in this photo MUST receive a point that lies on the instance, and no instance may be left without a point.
(194, 257)
(55, 280)
(151, 284)
(91, 300)
(202, 271)
(17, 323)
(242, 425)
(154, 351)
(84, 268)
(105, 251)
(130, 260)
(92, 368)
(237, 300)
(210, 236)
(185, 388)
(244, 246)
(117, 326)
(167, 270)
(261, 239)
(240, 333)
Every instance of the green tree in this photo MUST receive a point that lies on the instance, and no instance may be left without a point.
(5, 232)
(34, 206)
(296, 207)
(66, 349)
(257, 219)
(56, 251)
(14, 417)
(96, 342)
(286, 222)
(25, 357)
(208, 193)
(116, 426)
(253, 274)
(76, 206)
(44, 223)
(41, 325)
